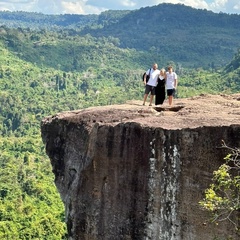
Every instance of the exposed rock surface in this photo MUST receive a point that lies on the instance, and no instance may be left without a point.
(138, 172)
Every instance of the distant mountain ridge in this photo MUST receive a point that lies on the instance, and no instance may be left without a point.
(43, 21)
(167, 32)
(177, 32)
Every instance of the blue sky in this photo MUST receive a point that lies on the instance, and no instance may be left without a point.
(97, 6)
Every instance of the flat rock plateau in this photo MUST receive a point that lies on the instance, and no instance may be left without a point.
(203, 110)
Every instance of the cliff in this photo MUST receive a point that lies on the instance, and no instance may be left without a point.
(137, 172)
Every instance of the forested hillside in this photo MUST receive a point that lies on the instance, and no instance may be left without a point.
(189, 36)
(70, 52)
(45, 71)
(167, 32)
(38, 21)
(42, 21)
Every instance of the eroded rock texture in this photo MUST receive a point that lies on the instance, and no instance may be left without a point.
(131, 172)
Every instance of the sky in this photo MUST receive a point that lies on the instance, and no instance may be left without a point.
(97, 6)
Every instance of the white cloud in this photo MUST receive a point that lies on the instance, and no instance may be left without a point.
(97, 6)
(72, 7)
(128, 3)
(229, 6)
(80, 7)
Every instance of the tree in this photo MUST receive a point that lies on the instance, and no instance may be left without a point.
(222, 198)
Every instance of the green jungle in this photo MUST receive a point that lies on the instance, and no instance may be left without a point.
(50, 64)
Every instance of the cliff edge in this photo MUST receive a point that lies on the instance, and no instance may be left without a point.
(137, 172)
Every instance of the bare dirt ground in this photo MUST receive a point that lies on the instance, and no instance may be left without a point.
(203, 110)
(198, 111)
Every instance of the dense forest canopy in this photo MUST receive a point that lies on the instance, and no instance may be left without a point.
(42, 21)
(192, 37)
(50, 64)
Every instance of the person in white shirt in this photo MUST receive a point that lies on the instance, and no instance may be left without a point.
(171, 84)
(151, 84)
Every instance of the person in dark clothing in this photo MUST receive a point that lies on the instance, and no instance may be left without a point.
(160, 88)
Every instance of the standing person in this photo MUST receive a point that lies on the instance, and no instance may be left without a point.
(160, 88)
(171, 84)
(151, 84)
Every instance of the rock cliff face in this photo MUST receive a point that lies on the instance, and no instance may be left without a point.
(135, 172)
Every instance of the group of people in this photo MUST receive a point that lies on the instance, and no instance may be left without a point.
(159, 81)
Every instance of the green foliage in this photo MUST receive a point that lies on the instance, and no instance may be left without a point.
(67, 51)
(193, 37)
(111, 16)
(232, 72)
(222, 197)
(198, 81)
(30, 207)
(35, 20)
